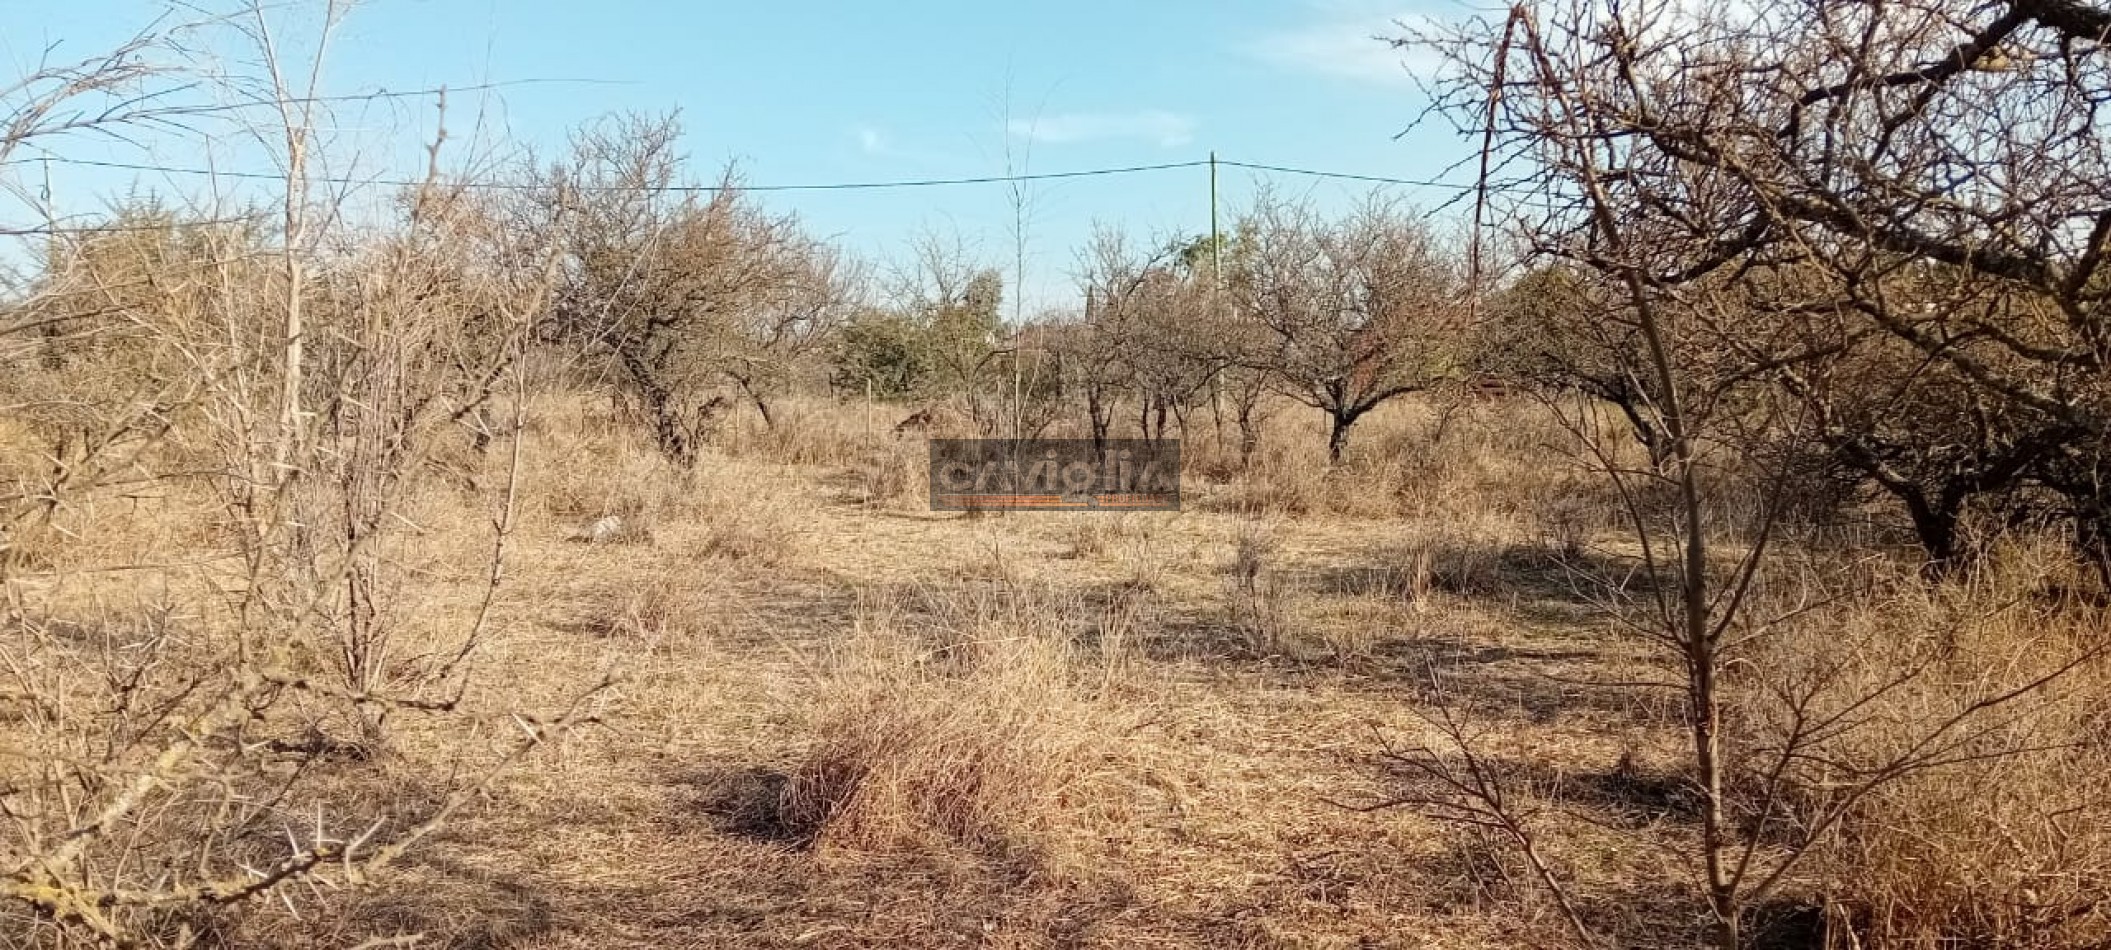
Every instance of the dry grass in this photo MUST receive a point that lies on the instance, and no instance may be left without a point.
(988, 730)
(2007, 846)
(844, 721)
(589, 466)
(1100, 536)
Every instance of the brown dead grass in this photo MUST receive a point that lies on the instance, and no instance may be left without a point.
(989, 730)
(844, 721)
(2006, 847)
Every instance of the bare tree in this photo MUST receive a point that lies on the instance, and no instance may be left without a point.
(1794, 161)
(680, 292)
(1353, 313)
(1560, 328)
(160, 742)
(115, 95)
(424, 327)
(790, 319)
(296, 107)
(1147, 335)
(1942, 170)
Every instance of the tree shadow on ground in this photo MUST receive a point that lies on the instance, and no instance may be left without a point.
(1649, 904)
(1224, 634)
(1624, 795)
(1480, 870)
(1542, 697)
(743, 802)
(1417, 653)
(444, 893)
(1480, 873)
(1498, 572)
(468, 907)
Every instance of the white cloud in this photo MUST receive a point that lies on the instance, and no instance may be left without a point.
(873, 140)
(1349, 42)
(878, 142)
(1161, 128)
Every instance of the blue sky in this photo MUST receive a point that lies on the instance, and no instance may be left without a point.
(799, 92)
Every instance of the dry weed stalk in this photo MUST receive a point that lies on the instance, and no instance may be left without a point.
(1451, 780)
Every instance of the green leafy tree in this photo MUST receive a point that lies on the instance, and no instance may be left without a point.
(884, 351)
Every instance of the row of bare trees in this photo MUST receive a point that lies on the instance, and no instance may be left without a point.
(1340, 314)
(1964, 396)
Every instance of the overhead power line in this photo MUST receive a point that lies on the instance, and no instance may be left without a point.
(1313, 173)
(817, 186)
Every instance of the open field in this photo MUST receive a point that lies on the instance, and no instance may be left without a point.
(841, 721)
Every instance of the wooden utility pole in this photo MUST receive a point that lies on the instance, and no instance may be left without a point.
(1216, 296)
(1216, 239)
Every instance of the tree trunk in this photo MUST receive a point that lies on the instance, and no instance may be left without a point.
(1652, 440)
(1101, 417)
(667, 429)
(2092, 534)
(1216, 412)
(762, 407)
(1935, 525)
(1704, 706)
(1338, 435)
(1245, 405)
